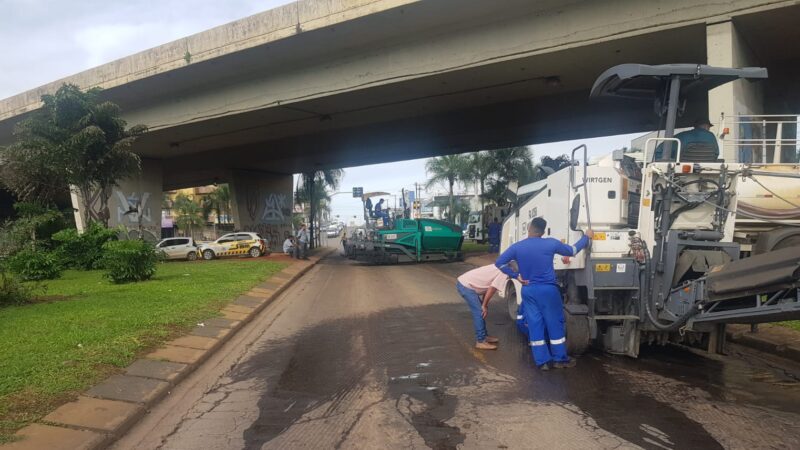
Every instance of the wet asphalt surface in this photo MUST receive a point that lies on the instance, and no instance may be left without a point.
(357, 356)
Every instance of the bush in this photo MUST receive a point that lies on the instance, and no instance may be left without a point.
(83, 251)
(127, 261)
(33, 264)
(34, 223)
(12, 291)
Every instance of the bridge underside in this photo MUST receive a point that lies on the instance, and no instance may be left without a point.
(415, 79)
(537, 99)
(420, 79)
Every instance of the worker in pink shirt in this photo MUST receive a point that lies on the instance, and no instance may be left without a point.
(477, 287)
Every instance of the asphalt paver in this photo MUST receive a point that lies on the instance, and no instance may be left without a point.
(359, 356)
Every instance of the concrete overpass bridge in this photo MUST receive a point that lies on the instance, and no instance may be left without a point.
(337, 83)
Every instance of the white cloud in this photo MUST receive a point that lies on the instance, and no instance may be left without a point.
(45, 40)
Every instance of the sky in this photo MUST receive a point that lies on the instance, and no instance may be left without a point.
(43, 41)
(393, 177)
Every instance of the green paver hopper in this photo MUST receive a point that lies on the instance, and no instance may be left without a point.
(409, 240)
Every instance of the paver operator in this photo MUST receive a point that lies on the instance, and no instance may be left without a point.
(541, 297)
(477, 287)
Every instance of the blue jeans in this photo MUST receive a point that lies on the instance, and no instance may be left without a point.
(474, 302)
(494, 245)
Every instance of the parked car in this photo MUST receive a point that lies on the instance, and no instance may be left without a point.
(178, 248)
(235, 244)
(334, 231)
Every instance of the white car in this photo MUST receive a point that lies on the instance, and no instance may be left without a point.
(235, 244)
(178, 248)
(333, 231)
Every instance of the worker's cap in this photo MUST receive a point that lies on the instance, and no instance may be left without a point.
(702, 121)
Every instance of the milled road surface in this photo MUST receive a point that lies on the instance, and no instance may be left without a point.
(364, 357)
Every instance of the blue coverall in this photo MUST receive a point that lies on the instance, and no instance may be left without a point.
(686, 138)
(522, 325)
(381, 213)
(494, 237)
(541, 298)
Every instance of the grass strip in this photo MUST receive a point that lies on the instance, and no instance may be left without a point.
(84, 328)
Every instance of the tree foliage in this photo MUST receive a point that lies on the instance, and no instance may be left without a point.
(322, 181)
(76, 139)
(188, 214)
(33, 227)
(447, 170)
(218, 201)
(493, 170)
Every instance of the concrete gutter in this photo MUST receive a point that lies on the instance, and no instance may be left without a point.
(106, 411)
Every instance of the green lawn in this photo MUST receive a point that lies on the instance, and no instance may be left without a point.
(85, 328)
(474, 247)
(793, 324)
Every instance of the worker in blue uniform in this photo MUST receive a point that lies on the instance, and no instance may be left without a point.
(541, 297)
(699, 134)
(494, 236)
(522, 325)
(380, 213)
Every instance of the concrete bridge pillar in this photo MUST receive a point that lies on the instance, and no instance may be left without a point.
(262, 203)
(725, 47)
(135, 204)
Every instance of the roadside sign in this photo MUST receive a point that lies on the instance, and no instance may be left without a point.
(358, 192)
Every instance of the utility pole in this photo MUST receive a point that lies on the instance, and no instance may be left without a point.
(311, 209)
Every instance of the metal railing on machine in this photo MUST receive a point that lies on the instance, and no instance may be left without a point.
(761, 138)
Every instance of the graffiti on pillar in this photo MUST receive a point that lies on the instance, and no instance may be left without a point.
(276, 208)
(134, 212)
(132, 207)
(94, 204)
(251, 201)
(275, 234)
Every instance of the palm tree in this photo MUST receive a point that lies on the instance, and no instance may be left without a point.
(510, 164)
(447, 169)
(514, 164)
(223, 198)
(479, 168)
(75, 139)
(188, 214)
(312, 191)
(219, 201)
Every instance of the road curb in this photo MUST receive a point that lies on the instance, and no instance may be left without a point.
(766, 340)
(109, 409)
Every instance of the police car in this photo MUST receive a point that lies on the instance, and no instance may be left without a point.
(235, 244)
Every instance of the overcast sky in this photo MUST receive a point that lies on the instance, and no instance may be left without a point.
(43, 41)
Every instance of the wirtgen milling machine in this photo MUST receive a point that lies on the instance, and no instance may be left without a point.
(663, 265)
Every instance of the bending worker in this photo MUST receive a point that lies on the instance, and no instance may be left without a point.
(541, 297)
(477, 287)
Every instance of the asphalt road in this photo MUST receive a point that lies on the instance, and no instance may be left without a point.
(356, 356)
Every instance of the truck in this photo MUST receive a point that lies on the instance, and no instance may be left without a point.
(477, 227)
(768, 214)
(664, 264)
